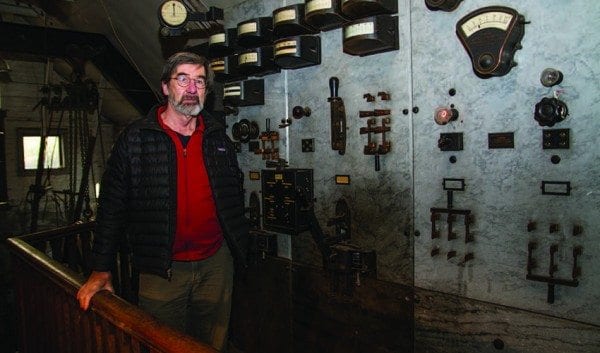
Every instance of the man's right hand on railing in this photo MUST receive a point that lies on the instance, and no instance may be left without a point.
(96, 282)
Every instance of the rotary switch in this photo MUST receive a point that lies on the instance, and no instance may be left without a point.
(550, 111)
(444, 115)
(443, 5)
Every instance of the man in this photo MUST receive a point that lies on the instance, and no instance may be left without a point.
(173, 187)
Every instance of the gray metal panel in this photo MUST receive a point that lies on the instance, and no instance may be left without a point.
(502, 185)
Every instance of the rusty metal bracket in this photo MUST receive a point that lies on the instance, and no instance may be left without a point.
(372, 148)
(550, 279)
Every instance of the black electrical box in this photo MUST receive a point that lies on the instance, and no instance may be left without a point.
(371, 35)
(226, 69)
(286, 198)
(223, 43)
(297, 52)
(256, 32)
(257, 62)
(244, 93)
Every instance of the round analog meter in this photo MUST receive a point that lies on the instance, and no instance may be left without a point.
(173, 13)
(491, 35)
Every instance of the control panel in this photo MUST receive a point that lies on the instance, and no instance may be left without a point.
(286, 198)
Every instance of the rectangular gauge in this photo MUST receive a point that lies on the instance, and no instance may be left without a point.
(501, 140)
(342, 179)
(454, 184)
(559, 188)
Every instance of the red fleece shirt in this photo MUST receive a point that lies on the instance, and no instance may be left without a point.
(198, 234)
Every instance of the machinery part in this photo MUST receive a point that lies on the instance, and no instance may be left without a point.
(451, 141)
(244, 93)
(287, 197)
(444, 115)
(308, 145)
(550, 111)
(557, 188)
(265, 243)
(491, 35)
(356, 9)
(278, 164)
(375, 112)
(501, 140)
(285, 122)
(372, 148)
(324, 15)
(341, 221)
(289, 21)
(555, 139)
(384, 96)
(173, 16)
(254, 210)
(244, 130)
(269, 143)
(298, 112)
(338, 117)
(443, 5)
(551, 77)
(371, 35)
(173, 13)
(550, 279)
(298, 51)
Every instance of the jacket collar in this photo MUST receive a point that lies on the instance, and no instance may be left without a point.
(211, 122)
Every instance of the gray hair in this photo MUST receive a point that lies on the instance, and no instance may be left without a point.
(183, 57)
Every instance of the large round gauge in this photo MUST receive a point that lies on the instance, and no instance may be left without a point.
(491, 35)
(173, 13)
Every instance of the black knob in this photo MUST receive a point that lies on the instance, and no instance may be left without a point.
(298, 112)
(486, 61)
(550, 111)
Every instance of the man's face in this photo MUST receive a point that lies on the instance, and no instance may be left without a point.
(185, 90)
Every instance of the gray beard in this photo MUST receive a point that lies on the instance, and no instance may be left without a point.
(186, 109)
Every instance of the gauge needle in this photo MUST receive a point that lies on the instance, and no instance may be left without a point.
(173, 9)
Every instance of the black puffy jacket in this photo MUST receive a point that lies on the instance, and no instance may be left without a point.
(138, 195)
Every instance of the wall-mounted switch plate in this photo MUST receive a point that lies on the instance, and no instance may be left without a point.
(452, 141)
(308, 145)
(555, 139)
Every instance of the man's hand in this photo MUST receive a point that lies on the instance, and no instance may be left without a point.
(96, 282)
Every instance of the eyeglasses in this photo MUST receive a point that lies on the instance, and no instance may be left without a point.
(185, 80)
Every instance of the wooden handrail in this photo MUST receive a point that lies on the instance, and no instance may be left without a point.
(46, 297)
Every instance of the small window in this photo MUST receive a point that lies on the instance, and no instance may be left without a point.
(54, 154)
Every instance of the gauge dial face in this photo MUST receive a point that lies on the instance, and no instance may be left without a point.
(173, 13)
(493, 19)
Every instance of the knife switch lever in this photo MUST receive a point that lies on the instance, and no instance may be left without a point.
(338, 118)
(372, 147)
